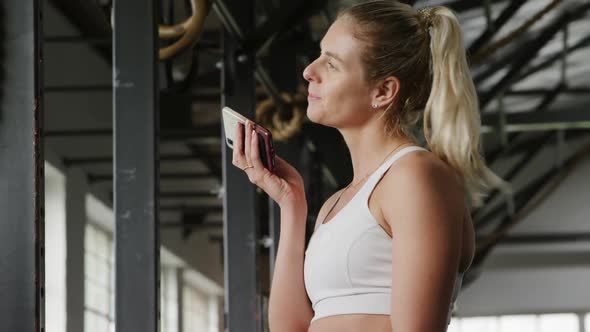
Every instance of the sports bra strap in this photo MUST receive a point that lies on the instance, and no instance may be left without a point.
(378, 174)
(374, 178)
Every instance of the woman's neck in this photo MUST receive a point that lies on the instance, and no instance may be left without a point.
(370, 147)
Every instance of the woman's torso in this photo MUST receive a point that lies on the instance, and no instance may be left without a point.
(377, 322)
(382, 323)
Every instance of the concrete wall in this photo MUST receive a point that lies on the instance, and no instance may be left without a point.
(540, 278)
(68, 208)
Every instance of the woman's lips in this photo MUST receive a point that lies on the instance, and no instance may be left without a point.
(312, 97)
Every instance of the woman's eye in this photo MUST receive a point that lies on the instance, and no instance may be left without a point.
(331, 66)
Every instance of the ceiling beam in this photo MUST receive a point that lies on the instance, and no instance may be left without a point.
(531, 48)
(524, 201)
(189, 194)
(202, 131)
(162, 158)
(212, 163)
(466, 5)
(94, 178)
(491, 30)
(90, 19)
(540, 121)
(551, 59)
(546, 239)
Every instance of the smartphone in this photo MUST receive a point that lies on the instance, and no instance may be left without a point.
(267, 152)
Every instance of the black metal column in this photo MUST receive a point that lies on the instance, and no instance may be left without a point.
(282, 68)
(21, 169)
(240, 226)
(135, 117)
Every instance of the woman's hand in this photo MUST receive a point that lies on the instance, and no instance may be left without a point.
(284, 186)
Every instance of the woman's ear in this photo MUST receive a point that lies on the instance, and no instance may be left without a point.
(385, 91)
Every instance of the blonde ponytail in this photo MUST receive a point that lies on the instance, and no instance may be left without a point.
(425, 51)
(451, 117)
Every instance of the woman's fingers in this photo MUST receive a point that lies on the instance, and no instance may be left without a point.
(255, 153)
(238, 146)
(247, 145)
(247, 153)
(258, 175)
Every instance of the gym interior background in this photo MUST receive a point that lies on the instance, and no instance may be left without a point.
(119, 206)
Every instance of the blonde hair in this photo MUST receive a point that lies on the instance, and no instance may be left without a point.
(424, 50)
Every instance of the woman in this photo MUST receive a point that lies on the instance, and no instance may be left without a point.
(389, 250)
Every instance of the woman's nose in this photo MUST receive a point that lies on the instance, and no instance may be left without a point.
(308, 73)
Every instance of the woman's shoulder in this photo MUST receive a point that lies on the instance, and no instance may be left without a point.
(420, 192)
(424, 174)
(424, 165)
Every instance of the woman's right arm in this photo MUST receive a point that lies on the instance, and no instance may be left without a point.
(289, 307)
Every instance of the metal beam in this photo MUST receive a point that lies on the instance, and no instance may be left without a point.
(549, 60)
(548, 99)
(192, 226)
(545, 239)
(166, 134)
(240, 228)
(135, 114)
(287, 16)
(22, 242)
(546, 63)
(500, 60)
(512, 172)
(164, 158)
(531, 260)
(98, 88)
(190, 194)
(574, 90)
(211, 162)
(466, 5)
(522, 201)
(90, 19)
(282, 68)
(532, 48)
(249, 42)
(540, 121)
(523, 145)
(192, 209)
(520, 198)
(93, 178)
(491, 31)
(106, 40)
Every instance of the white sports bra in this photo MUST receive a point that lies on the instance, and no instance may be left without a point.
(347, 267)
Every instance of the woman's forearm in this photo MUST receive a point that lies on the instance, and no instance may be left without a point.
(289, 306)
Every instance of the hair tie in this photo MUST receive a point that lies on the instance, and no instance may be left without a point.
(426, 14)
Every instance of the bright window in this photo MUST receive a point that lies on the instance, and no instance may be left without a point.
(518, 323)
(454, 325)
(195, 310)
(98, 284)
(168, 299)
(558, 322)
(479, 324)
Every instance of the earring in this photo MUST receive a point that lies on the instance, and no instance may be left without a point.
(374, 105)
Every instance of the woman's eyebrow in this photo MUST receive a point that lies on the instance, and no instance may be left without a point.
(332, 55)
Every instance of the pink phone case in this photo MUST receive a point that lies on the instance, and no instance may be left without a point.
(267, 152)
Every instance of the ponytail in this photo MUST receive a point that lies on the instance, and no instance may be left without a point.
(425, 51)
(451, 116)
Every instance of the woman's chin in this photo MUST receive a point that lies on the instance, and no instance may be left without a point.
(314, 115)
